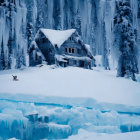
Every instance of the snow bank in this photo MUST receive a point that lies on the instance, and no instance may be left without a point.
(98, 61)
(57, 37)
(97, 84)
(13, 139)
(85, 135)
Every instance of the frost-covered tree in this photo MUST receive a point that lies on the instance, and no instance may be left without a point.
(57, 15)
(20, 60)
(11, 40)
(21, 19)
(105, 51)
(125, 40)
(2, 57)
(30, 33)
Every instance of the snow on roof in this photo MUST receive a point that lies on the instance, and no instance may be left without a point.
(57, 37)
(88, 48)
(61, 57)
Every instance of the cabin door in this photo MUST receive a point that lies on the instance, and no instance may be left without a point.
(81, 63)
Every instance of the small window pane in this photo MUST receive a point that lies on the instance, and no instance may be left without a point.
(66, 50)
(69, 50)
(72, 50)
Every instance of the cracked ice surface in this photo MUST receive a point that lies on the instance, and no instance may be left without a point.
(24, 120)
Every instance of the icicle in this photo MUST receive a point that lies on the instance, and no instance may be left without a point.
(62, 13)
(50, 14)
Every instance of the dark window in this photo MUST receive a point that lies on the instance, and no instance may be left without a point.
(69, 50)
(72, 50)
(71, 38)
(43, 40)
(56, 46)
(81, 63)
(66, 50)
(78, 51)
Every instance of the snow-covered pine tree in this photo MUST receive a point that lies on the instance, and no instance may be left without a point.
(125, 40)
(29, 33)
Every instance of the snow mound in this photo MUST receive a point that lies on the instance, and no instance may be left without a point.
(98, 84)
(57, 37)
(85, 135)
(98, 61)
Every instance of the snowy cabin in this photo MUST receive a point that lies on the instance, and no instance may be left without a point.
(64, 48)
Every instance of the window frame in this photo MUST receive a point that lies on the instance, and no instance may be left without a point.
(66, 50)
(70, 51)
(73, 50)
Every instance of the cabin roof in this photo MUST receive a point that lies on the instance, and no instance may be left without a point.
(57, 37)
(88, 48)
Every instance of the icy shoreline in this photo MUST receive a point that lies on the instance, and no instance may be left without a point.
(24, 120)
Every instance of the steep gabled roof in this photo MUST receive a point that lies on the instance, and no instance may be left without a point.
(57, 37)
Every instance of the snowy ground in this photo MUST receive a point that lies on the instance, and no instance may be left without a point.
(93, 103)
(84, 135)
(98, 84)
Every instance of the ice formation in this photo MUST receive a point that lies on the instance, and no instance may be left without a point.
(23, 120)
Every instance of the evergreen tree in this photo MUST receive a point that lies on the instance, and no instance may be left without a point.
(29, 33)
(2, 57)
(12, 37)
(105, 51)
(125, 40)
(78, 22)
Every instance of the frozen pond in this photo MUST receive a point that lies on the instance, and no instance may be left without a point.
(34, 120)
